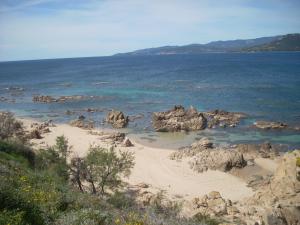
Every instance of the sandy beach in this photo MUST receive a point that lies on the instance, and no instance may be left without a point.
(153, 166)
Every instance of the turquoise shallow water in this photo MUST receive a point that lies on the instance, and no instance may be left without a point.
(263, 85)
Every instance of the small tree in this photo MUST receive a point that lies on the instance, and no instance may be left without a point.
(78, 171)
(62, 147)
(105, 167)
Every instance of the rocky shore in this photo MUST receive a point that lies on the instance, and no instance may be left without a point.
(179, 119)
(233, 184)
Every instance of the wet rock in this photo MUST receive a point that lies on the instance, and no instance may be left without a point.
(178, 119)
(81, 117)
(43, 99)
(223, 118)
(136, 117)
(117, 119)
(267, 125)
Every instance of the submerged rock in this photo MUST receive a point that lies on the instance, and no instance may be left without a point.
(267, 125)
(178, 119)
(223, 118)
(117, 119)
(43, 99)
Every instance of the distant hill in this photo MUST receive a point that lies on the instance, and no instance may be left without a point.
(289, 42)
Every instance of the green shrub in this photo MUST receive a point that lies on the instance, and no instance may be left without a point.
(298, 161)
(10, 127)
(105, 167)
(17, 148)
(205, 219)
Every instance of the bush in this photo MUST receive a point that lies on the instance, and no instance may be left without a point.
(105, 167)
(9, 126)
(18, 149)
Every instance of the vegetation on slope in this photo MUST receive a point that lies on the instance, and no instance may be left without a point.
(42, 187)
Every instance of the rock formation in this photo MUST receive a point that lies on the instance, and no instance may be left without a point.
(117, 119)
(178, 119)
(202, 156)
(267, 125)
(82, 123)
(275, 202)
(223, 118)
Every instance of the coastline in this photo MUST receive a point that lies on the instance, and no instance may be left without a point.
(154, 167)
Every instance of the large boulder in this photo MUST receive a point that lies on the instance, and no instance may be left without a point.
(117, 119)
(217, 159)
(178, 119)
(202, 156)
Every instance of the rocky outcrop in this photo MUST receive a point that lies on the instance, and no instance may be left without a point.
(178, 119)
(203, 156)
(43, 99)
(223, 118)
(278, 201)
(267, 125)
(117, 119)
(223, 160)
(252, 151)
(275, 202)
(82, 123)
(61, 99)
(214, 205)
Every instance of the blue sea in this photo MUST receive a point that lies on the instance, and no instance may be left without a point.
(266, 86)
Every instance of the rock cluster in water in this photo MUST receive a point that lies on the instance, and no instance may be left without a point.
(117, 119)
(61, 99)
(267, 125)
(179, 119)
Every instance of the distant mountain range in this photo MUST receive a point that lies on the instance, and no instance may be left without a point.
(289, 42)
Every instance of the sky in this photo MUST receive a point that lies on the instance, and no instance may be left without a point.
(38, 29)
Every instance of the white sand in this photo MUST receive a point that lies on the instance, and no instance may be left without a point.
(153, 166)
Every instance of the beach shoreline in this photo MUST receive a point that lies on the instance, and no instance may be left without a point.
(154, 167)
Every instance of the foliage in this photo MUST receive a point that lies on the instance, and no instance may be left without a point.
(9, 126)
(18, 149)
(298, 161)
(62, 147)
(106, 167)
(38, 194)
(206, 219)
